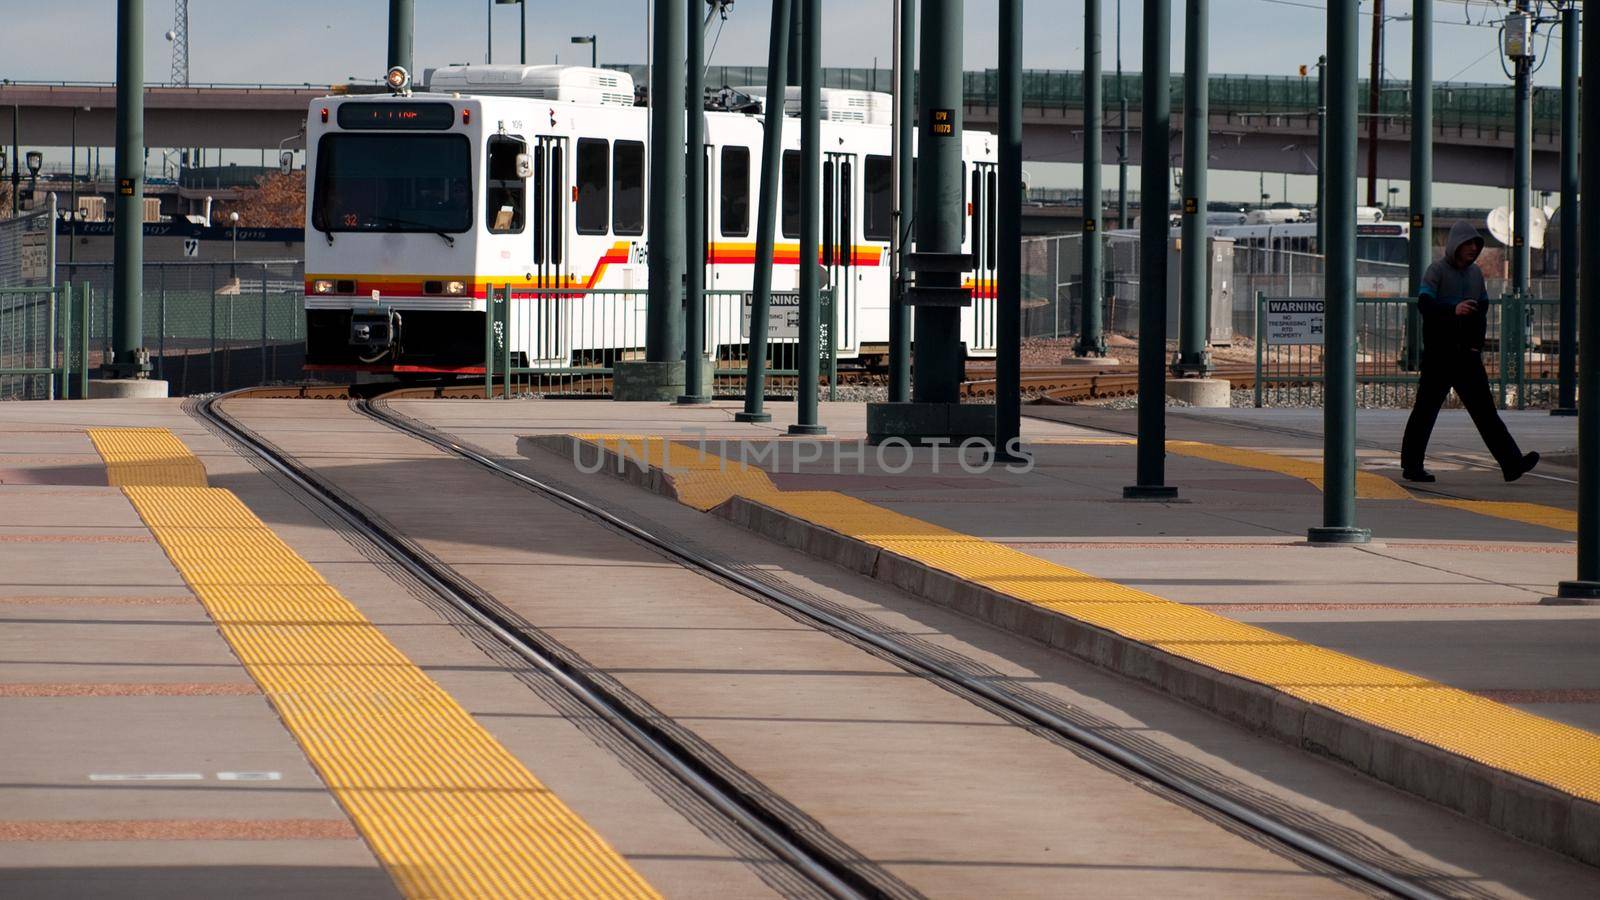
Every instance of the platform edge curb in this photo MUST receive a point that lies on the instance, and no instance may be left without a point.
(1524, 809)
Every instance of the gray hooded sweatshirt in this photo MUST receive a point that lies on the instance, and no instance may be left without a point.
(1444, 286)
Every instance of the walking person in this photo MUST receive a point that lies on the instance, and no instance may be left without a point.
(1454, 301)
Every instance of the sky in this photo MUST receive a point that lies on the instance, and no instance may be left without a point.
(325, 41)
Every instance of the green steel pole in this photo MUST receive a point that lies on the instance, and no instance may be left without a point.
(1322, 152)
(1194, 359)
(1122, 135)
(663, 335)
(937, 376)
(401, 16)
(1586, 588)
(129, 359)
(1421, 244)
(1339, 353)
(810, 219)
(904, 119)
(1522, 168)
(1154, 170)
(1008, 234)
(1091, 337)
(1567, 393)
(796, 67)
(694, 191)
(755, 384)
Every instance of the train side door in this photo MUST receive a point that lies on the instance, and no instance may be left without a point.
(983, 196)
(548, 312)
(838, 244)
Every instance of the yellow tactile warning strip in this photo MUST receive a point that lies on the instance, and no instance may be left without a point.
(1527, 513)
(1368, 485)
(446, 808)
(1533, 747)
(146, 456)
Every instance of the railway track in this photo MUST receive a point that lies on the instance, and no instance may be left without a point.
(833, 875)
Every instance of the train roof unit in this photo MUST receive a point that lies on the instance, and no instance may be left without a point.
(564, 84)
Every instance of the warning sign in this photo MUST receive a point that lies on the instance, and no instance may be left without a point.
(1294, 322)
(783, 318)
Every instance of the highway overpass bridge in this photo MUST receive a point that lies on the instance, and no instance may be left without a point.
(1258, 123)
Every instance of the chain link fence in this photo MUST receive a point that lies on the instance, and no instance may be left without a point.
(30, 345)
(209, 325)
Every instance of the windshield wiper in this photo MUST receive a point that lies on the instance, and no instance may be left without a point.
(423, 225)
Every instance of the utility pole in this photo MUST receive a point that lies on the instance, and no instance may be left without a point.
(1519, 46)
(810, 219)
(1154, 187)
(1194, 359)
(1091, 337)
(694, 190)
(1339, 352)
(937, 376)
(1421, 245)
(905, 80)
(766, 214)
(1567, 393)
(1585, 589)
(1322, 150)
(1374, 94)
(128, 357)
(401, 16)
(1008, 229)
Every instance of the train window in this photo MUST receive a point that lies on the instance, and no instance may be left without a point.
(506, 197)
(593, 186)
(878, 215)
(991, 218)
(557, 204)
(829, 233)
(627, 189)
(791, 193)
(735, 200)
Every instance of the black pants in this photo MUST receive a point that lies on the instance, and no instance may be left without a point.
(1462, 370)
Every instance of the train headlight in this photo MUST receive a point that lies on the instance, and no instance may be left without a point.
(455, 287)
(322, 287)
(398, 79)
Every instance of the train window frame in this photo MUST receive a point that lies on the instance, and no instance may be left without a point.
(592, 195)
(629, 226)
(790, 194)
(729, 205)
(883, 196)
(502, 186)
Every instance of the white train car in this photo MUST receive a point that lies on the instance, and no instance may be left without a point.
(536, 176)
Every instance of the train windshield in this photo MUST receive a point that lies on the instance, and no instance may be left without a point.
(1383, 249)
(393, 182)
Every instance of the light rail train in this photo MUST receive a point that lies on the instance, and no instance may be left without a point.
(536, 177)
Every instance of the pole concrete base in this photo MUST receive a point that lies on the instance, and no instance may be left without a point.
(702, 395)
(1089, 361)
(635, 380)
(127, 389)
(922, 423)
(1337, 536)
(1574, 593)
(1208, 393)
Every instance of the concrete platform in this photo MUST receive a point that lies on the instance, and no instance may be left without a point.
(937, 795)
(1406, 610)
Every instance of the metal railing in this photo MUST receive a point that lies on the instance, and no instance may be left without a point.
(566, 342)
(1521, 355)
(44, 344)
(210, 325)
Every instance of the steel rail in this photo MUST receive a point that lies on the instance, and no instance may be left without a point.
(913, 660)
(832, 876)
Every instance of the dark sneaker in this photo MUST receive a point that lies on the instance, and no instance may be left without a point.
(1419, 475)
(1528, 461)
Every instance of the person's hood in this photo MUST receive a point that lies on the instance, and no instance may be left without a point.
(1460, 233)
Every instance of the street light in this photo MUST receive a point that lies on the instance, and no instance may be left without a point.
(523, 55)
(594, 47)
(35, 161)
